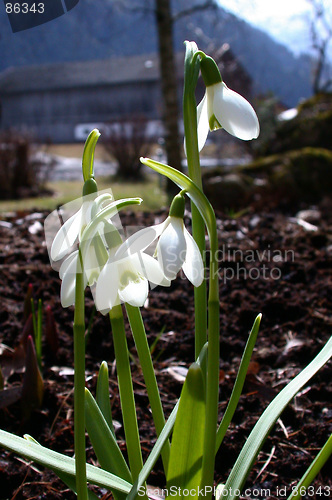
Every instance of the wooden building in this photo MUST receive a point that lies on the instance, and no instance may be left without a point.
(54, 102)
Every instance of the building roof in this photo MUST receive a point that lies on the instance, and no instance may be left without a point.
(80, 74)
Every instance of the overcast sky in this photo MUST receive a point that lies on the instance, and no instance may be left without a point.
(286, 20)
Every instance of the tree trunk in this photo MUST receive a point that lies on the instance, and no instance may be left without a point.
(169, 85)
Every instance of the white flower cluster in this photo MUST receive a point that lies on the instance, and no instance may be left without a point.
(120, 271)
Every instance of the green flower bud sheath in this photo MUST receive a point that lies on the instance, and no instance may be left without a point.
(210, 71)
(178, 206)
(89, 187)
(88, 154)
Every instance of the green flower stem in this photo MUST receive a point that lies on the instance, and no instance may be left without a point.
(126, 391)
(212, 393)
(79, 385)
(194, 172)
(143, 350)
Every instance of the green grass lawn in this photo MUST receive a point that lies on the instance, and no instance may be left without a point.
(154, 196)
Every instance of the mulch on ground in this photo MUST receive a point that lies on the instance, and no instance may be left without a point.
(273, 261)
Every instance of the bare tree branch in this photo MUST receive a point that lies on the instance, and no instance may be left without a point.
(208, 4)
(321, 37)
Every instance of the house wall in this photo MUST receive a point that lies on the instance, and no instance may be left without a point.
(53, 115)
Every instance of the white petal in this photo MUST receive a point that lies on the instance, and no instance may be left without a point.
(110, 235)
(202, 122)
(66, 263)
(66, 236)
(213, 125)
(135, 293)
(92, 267)
(234, 113)
(106, 293)
(139, 241)
(94, 259)
(152, 270)
(67, 294)
(193, 265)
(171, 248)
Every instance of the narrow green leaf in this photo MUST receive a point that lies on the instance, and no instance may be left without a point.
(65, 478)
(33, 312)
(103, 441)
(103, 395)
(312, 471)
(250, 450)
(153, 457)
(238, 386)
(185, 466)
(164, 435)
(59, 463)
(192, 190)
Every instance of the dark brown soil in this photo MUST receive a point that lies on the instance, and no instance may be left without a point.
(290, 284)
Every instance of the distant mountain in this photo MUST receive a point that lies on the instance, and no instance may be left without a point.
(99, 29)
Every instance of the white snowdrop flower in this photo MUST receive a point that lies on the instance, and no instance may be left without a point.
(126, 277)
(95, 254)
(176, 248)
(221, 107)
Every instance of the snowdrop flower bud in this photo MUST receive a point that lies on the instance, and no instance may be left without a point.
(221, 107)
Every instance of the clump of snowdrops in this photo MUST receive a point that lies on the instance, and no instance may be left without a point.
(90, 249)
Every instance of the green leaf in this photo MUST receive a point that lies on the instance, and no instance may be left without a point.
(153, 457)
(60, 464)
(164, 435)
(238, 386)
(65, 478)
(103, 441)
(185, 466)
(103, 395)
(312, 471)
(192, 190)
(250, 450)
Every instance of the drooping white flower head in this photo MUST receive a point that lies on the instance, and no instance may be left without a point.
(176, 248)
(68, 237)
(126, 277)
(221, 107)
